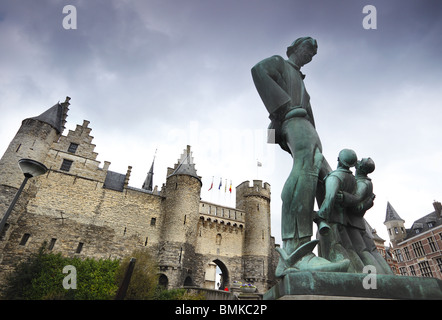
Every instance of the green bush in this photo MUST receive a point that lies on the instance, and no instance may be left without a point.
(177, 294)
(41, 277)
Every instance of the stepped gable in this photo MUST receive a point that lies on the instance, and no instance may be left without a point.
(185, 165)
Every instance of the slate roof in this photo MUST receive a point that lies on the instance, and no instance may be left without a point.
(148, 182)
(423, 224)
(114, 181)
(185, 165)
(391, 214)
(54, 116)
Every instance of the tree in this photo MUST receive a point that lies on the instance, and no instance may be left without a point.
(144, 278)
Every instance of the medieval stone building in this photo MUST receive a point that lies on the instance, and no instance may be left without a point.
(80, 208)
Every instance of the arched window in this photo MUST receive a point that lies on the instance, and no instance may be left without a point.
(218, 238)
(163, 281)
(188, 282)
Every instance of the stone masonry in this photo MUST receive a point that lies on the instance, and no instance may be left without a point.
(80, 208)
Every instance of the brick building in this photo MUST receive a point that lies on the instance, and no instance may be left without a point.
(418, 250)
(80, 208)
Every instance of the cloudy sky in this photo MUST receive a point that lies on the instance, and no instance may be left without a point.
(161, 74)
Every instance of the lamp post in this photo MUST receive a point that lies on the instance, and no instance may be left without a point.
(30, 168)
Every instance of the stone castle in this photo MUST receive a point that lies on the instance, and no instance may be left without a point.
(80, 208)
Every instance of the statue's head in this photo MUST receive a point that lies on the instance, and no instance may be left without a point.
(365, 165)
(304, 49)
(347, 157)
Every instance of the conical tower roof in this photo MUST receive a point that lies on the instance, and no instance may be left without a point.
(55, 116)
(148, 183)
(391, 214)
(185, 165)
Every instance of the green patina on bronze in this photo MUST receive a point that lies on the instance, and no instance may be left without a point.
(346, 246)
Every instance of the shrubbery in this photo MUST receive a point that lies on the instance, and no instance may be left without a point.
(41, 277)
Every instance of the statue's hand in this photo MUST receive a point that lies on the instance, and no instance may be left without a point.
(339, 197)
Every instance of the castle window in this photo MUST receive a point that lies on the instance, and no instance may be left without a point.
(79, 247)
(52, 244)
(185, 216)
(218, 238)
(425, 269)
(153, 222)
(24, 239)
(412, 271)
(439, 263)
(73, 147)
(18, 148)
(66, 165)
(403, 271)
(399, 255)
(407, 253)
(418, 249)
(432, 244)
(145, 242)
(396, 231)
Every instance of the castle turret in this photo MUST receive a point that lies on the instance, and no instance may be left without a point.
(395, 225)
(180, 220)
(33, 141)
(255, 201)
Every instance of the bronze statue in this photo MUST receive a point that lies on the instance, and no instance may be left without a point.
(335, 242)
(357, 228)
(280, 85)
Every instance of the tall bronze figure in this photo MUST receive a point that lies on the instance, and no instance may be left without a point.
(280, 85)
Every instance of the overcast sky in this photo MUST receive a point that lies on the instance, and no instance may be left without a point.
(163, 74)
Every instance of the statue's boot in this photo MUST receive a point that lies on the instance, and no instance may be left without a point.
(310, 262)
(302, 259)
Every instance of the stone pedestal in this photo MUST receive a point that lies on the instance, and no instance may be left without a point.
(335, 285)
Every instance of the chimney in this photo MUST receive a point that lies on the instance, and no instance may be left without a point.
(126, 180)
(106, 165)
(438, 208)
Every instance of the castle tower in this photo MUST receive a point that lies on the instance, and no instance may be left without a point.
(255, 201)
(395, 225)
(33, 140)
(180, 221)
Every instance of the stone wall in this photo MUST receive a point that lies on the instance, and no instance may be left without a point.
(75, 213)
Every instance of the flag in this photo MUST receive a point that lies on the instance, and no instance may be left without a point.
(220, 183)
(225, 187)
(211, 186)
(230, 188)
(259, 164)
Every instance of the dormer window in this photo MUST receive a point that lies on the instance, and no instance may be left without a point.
(430, 224)
(73, 147)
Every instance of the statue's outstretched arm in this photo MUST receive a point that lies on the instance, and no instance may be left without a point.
(332, 186)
